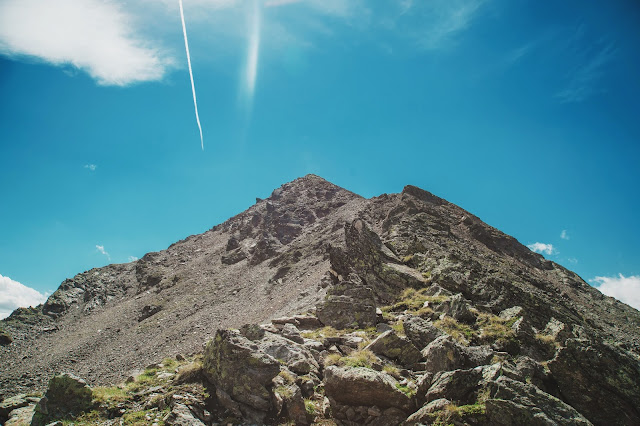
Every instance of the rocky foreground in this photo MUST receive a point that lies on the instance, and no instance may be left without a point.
(402, 309)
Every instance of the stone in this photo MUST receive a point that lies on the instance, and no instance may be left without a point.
(348, 304)
(233, 257)
(181, 415)
(422, 415)
(392, 346)
(599, 381)
(66, 396)
(445, 354)
(458, 308)
(235, 365)
(298, 358)
(21, 416)
(291, 332)
(420, 331)
(363, 386)
(516, 403)
(293, 404)
(10, 404)
(252, 331)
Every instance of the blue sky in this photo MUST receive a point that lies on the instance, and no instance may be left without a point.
(523, 112)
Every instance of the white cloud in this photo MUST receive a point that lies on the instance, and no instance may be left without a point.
(92, 35)
(542, 248)
(625, 289)
(103, 251)
(16, 295)
(564, 235)
(91, 167)
(583, 81)
(132, 258)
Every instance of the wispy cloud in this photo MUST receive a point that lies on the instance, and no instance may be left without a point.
(92, 35)
(16, 295)
(103, 251)
(564, 235)
(542, 248)
(91, 167)
(441, 20)
(132, 258)
(625, 289)
(584, 80)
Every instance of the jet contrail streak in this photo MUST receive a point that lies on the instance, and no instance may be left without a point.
(193, 87)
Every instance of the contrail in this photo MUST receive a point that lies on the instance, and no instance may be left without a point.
(193, 87)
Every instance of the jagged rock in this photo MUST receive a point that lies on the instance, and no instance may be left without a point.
(515, 403)
(292, 333)
(10, 404)
(420, 331)
(235, 365)
(458, 308)
(23, 416)
(148, 311)
(422, 415)
(459, 386)
(66, 396)
(348, 304)
(252, 331)
(293, 403)
(445, 354)
(589, 373)
(392, 346)
(5, 338)
(233, 257)
(558, 330)
(363, 386)
(181, 415)
(295, 356)
(303, 322)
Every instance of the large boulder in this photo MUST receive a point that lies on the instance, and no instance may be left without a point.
(420, 331)
(515, 403)
(362, 386)
(297, 357)
(445, 354)
(599, 380)
(241, 372)
(348, 304)
(67, 396)
(392, 346)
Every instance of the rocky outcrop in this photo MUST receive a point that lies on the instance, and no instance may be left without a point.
(66, 397)
(588, 372)
(241, 374)
(392, 346)
(364, 387)
(349, 304)
(421, 332)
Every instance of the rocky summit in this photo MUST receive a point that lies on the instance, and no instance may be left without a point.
(316, 305)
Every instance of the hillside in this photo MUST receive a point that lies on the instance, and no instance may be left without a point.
(313, 244)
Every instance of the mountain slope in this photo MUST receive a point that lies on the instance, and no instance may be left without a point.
(279, 257)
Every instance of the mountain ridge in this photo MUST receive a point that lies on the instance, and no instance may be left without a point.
(281, 257)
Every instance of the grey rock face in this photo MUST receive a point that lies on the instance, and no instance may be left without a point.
(363, 386)
(445, 354)
(238, 368)
(420, 331)
(588, 373)
(348, 304)
(67, 396)
(392, 346)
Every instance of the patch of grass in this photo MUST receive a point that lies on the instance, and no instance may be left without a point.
(285, 392)
(453, 414)
(410, 392)
(310, 407)
(110, 395)
(288, 377)
(547, 339)
(391, 370)
(360, 358)
(190, 373)
(398, 327)
(412, 300)
(461, 332)
(320, 333)
(139, 418)
(492, 328)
